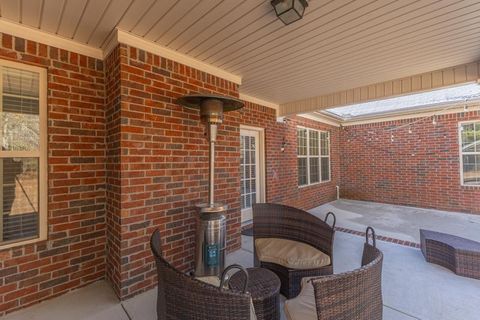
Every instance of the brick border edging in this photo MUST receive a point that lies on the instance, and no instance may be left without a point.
(362, 234)
(381, 238)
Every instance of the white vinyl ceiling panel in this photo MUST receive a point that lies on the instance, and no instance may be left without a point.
(339, 44)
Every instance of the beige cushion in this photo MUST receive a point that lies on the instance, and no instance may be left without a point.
(215, 281)
(290, 254)
(303, 306)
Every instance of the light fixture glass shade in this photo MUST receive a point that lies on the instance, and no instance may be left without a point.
(289, 10)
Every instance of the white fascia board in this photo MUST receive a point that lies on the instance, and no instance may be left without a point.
(33, 34)
(261, 102)
(155, 48)
(451, 109)
(320, 118)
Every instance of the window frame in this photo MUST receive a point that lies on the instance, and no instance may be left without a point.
(461, 153)
(319, 157)
(41, 154)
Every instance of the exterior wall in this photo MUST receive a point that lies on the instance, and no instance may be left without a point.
(113, 169)
(164, 166)
(282, 173)
(282, 183)
(74, 254)
(421, 168)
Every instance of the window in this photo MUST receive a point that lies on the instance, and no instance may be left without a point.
(23, 162)
(313, 156)
(470, 153)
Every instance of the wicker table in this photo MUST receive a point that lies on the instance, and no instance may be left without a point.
(264, 287)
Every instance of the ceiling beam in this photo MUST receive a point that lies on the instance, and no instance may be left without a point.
(414, 84)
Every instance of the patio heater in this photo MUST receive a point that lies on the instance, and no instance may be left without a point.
(211, 232)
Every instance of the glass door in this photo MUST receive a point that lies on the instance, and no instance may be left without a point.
(249, 172)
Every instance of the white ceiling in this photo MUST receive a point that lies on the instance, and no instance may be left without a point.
(339, 44)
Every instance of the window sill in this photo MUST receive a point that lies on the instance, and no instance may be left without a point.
(314, 184)
(21, 243)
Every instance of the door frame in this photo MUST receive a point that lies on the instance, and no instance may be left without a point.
(261, 160)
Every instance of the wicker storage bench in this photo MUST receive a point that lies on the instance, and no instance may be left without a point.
(458, 254)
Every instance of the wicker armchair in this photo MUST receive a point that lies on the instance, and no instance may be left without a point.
(354, 295)
(360, 290)
(182, 297)
(284, 222)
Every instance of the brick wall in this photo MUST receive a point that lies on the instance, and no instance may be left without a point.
(74, 254)
(113, 169)
(421, 168)
(163, 164)
(124, 160)
(282, 175)
(164, 158)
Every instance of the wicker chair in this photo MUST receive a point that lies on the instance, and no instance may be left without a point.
(360, 290)
(354, 295)
(182, 297)
(284, 222)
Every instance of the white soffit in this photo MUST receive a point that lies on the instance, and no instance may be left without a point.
(37, 35)
(338, 45)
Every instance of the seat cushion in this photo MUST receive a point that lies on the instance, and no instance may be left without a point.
(215, 281)
(290, 254)
(302, 307)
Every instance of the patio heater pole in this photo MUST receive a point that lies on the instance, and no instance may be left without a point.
(211, 222)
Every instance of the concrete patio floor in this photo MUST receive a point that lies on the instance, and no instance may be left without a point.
(399, 222)
(412, 288)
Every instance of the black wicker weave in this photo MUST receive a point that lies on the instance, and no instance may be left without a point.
(353, 295)
(264, 286)
(284, 222)
(181, 297)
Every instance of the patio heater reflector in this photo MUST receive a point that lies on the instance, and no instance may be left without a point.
(211, 232)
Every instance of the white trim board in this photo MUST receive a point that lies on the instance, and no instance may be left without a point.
(22, 31)
(117, 36)
(321, 118)
(261, 102)
(155, 48)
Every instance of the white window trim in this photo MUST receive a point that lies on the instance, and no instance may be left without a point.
(319, 157)
(42, 155)
(461, 153)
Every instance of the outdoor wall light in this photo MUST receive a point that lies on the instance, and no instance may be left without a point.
(284, 145)
(289, 10)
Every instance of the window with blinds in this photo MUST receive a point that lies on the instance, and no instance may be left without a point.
(23, 162)
(313, 156)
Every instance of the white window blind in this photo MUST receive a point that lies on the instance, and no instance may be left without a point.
(23, 154)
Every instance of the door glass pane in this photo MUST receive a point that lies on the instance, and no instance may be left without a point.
(20, 122)
(19, 177)
(248, 174)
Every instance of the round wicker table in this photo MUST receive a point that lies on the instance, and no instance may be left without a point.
(264, 287)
